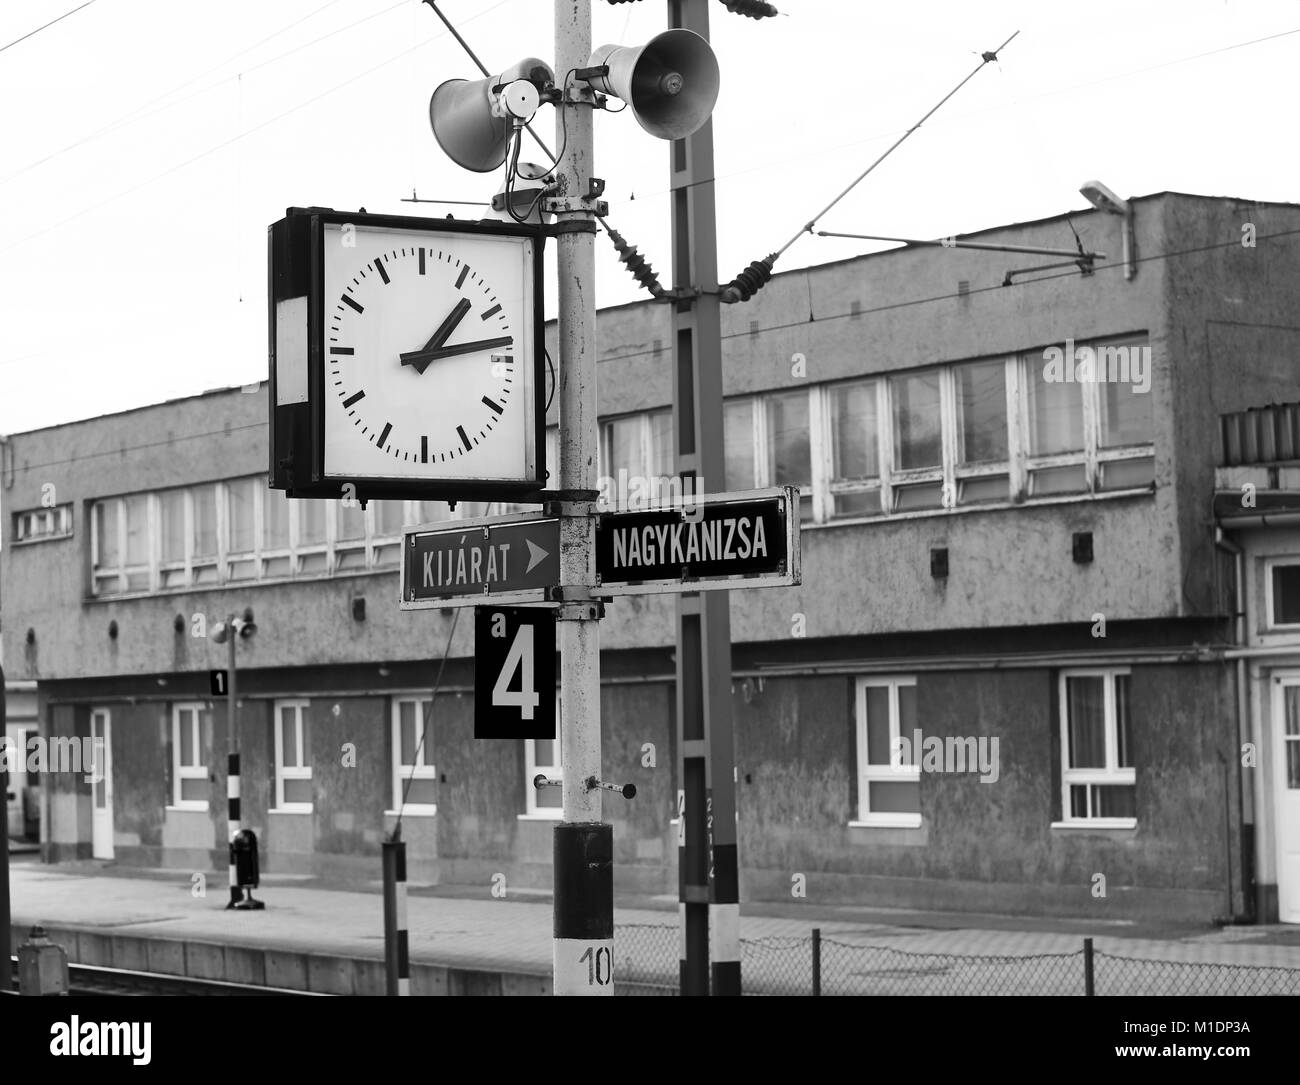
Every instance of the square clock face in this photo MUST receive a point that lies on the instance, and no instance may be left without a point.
(428, 344)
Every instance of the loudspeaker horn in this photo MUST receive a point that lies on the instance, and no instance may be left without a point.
(670, 83)
(471, 127)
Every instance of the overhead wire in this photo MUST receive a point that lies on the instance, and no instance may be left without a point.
(138, 114)
(892, 306)
(33, 33)
(233, 139)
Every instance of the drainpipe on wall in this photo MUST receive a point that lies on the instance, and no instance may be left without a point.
(1243, 735)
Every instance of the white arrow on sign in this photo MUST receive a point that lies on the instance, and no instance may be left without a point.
(535, 554)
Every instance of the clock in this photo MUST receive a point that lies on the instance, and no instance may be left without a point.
(423, 357)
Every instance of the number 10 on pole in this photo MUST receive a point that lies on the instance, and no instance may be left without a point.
(514, 672)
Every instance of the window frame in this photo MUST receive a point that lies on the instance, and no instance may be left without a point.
(1113, 774)
(188, 772)
(533, 812)
(1270, 616)
(285, 772)
(1093, 457)
(423, 769)
(58, 516)
(894, 772)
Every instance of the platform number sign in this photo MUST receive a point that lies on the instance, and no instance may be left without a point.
(514, 672)
(219, 681)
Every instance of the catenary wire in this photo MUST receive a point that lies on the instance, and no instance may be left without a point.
(139, 114)
(1153, 258)
(233, 139)
(33, 33)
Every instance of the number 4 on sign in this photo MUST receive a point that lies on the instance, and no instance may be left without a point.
(519, 658)
(514, 672)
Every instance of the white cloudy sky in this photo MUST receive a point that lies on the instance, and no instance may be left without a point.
(145, 146)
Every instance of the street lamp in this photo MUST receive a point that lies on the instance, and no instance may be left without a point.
(229, 632)
(1103, 199)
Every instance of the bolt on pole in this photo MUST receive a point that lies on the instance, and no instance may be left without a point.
(584, 899)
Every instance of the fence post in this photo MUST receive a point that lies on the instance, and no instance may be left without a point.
(817, 961)
(1088, 988)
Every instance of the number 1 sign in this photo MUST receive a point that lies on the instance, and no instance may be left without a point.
(514, 672)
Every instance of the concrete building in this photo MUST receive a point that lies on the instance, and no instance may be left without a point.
(1011, 569)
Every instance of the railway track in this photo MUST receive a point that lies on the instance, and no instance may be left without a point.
(85, 979)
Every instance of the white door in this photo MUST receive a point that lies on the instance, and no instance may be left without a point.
(17, 757)
(101, 732)
(1286, 713)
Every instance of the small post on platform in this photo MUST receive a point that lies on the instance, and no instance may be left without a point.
(397, 959)
(6, 969)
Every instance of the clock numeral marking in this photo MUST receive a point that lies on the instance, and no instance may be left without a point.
(495, 406)
(388, 426)
(424, 449)
(341, 350)
(491, 312)
(421, 261)
(379, 267)
(357, 306)
(353, 399)
(464, 438)
(460, 280)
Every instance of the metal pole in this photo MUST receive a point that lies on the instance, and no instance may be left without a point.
(6, 970)
(584, 874)
(707, 861)
(232, 764)
(817, 961)
(397, 958)
(1089, 988)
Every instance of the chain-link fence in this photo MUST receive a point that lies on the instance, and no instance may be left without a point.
(836, 964)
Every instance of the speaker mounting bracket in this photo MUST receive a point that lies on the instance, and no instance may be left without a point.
(568, 205)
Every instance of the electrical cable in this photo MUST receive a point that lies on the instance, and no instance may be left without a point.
(233, 139)
(551, 366)
(802, 155)
(750, 281)
(138, 114)
(1153, 258)
(33, 33)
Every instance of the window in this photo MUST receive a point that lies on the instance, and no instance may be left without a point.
(191, 732)
(543, 755)
(855, 448)
(350, 536)
(889, 782)
(788, 443)
(276, 559)
(740, 444)
(982, 471)
(414, 774)
(1090, 417)
(1283, 594)
(389, 519)
(309, 546)
(203, 538)
(1097, 775)
(292, 757)
(636, 460)
(241, 528)
(120, 545)
(918, 441)
(39, 524)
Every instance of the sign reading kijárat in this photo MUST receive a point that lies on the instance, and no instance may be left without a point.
(508, 559)
(714, 542)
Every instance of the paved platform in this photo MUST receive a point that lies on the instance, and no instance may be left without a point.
(463, 939)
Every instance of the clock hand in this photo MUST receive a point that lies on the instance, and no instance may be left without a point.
(448, 325)
(421, 358)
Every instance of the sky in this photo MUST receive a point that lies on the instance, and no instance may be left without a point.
(146, 146)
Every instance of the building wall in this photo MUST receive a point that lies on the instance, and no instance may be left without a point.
(989, 845)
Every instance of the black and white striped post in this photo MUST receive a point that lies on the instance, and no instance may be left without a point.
(397, 955)
(232, 817)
